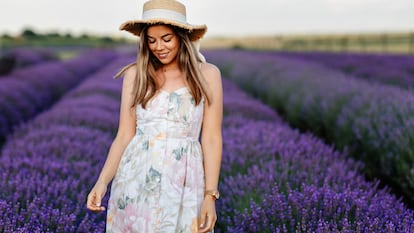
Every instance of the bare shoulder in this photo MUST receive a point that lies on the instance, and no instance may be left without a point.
(130, 73)
(211, 73)
(212, 76)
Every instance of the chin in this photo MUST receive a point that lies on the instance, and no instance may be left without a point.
(165, 61)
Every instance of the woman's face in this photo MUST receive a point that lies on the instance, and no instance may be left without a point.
(163, 43)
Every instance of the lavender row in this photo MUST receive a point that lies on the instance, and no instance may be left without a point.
(28, 91)
(295, 183)
(18, 58)
(386, 68)
(50, 163)
(372, 121)
(275, 179)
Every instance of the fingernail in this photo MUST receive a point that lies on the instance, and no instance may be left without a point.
(201, 225)
(98, 204)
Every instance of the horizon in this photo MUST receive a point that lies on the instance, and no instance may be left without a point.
(263, 17)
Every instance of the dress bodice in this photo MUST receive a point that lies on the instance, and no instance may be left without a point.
(171, 115)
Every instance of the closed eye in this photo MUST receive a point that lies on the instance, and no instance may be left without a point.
(165, 38)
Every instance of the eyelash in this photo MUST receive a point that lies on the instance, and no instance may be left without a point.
(166, 41)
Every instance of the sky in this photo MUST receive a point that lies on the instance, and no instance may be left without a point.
(223, 17)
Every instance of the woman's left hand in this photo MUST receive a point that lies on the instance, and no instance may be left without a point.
(208, 215)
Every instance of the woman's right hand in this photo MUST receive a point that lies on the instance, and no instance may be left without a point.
(94, 200)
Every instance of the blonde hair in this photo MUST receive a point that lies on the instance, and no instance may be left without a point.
(146, 85)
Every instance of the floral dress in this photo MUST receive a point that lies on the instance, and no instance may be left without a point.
(159, 185)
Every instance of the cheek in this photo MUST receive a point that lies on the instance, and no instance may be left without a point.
(174, 46)
(151, 47)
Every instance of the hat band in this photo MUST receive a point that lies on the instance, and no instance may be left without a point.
(165, 14)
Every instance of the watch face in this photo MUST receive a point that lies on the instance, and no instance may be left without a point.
(216, 195)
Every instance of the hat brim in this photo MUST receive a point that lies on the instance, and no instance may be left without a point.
(135, 27)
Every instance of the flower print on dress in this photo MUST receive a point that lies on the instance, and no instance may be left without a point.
(152, 180)
(178, 152)
(164, 163)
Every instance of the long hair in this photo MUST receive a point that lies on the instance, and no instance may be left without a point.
(146, 84)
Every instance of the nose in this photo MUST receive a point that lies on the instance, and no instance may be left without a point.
(160, 45)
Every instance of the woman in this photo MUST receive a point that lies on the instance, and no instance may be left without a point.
(164, 177)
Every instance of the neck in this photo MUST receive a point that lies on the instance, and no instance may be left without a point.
(173, 65)
(167, 68)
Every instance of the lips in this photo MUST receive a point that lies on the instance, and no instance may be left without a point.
(162, 55)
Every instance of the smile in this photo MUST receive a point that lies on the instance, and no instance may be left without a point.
(163, 55)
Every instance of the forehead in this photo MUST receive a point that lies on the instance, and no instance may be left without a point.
(159, 30)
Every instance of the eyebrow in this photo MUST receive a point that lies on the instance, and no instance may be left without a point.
(162, 37)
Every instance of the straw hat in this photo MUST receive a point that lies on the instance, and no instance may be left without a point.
(164, 11)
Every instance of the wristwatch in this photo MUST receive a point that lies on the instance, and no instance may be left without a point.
(214, 193)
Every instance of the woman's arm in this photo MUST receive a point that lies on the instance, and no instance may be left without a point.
(211, 142)
(126, 130)
(211, 138)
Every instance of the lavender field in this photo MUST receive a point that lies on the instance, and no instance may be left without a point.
(371, 121)
(29, 90)
(23, 57)
(275, 178)
(393, 69)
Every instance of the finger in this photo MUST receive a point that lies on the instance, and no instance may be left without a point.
(207, 225)
(211, 221)
(97, 205)
(202, 220)
(89, 201)
(93, 203)
(95, 208)
(99, 202)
